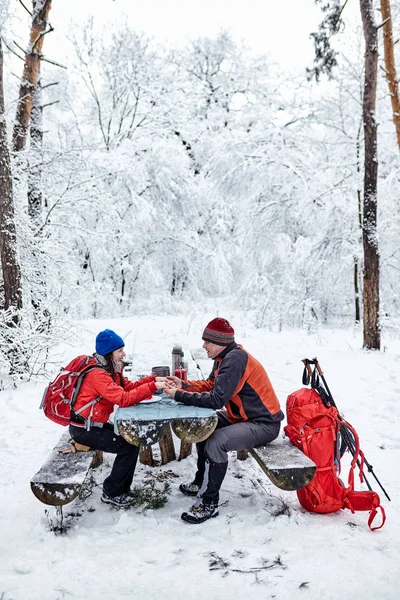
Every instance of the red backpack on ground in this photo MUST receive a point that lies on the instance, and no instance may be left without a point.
(315, 428)
(61, 393)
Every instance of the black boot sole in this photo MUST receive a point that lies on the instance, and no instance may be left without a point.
(186, 493)
(188, 518)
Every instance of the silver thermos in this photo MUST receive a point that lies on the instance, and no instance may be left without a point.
(177, 358)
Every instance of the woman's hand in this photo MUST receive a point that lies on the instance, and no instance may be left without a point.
(160, 384)
(160, 378)
(174, 381)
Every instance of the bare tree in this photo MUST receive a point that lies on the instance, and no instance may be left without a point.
(8, 248)
(390, 67)
(325, 61)
(123, 77)
(35, 171)
(371, 326)
(30, 75)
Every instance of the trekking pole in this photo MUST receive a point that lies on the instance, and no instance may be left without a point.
(347, 437)
(195, 359)
(346, 434)
(328, 400)
(370, 468)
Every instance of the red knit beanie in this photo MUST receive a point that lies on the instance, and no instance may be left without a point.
(219, 331)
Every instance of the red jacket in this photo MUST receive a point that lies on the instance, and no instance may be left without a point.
(99, 382)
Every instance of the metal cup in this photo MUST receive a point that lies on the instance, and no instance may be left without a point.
(162, 371)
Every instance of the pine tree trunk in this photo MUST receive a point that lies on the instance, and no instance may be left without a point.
(357, 267)
(371, 327)
(35, 201)
(8, 244)
(356, 291)
(36, 158)
(30, 75)
(390, 68)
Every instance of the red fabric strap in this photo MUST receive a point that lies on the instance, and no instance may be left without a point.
(373, 515)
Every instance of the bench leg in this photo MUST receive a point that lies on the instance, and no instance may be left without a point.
(242, 454)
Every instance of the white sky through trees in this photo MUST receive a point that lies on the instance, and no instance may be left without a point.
(280, 29)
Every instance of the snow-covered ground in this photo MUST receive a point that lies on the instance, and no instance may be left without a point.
(246, 552)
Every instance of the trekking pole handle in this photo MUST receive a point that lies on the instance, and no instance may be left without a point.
(320, 372)
(307, 365)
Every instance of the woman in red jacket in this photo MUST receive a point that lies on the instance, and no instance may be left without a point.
(89, 421)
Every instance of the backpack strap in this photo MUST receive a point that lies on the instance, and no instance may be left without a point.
(358, 455)
(355, 501)
(88, 421)
(79, 382)
(372, 516)
(315, 379)
(306, 376)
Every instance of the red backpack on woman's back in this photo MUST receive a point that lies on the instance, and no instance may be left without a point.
(60, 395)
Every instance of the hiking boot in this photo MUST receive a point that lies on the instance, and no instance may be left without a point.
(201, 513)
(189, 489)
(121, 501)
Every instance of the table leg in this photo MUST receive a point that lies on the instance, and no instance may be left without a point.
(186, 450)
(167, 448)
(146, 456)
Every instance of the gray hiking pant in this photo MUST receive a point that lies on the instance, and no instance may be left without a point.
(228, 437)
(239, 436)
(212, 454)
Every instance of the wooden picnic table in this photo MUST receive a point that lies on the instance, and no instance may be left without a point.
(147, 422)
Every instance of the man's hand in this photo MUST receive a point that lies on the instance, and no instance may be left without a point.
(175, 381)
(170, 387)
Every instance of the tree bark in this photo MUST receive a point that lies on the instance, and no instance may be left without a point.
(30, 75)
(390, 68)
(371, 326)
(8, 243)
(36, 157)
(357, 269)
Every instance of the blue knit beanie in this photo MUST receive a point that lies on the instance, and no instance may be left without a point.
(107, 341)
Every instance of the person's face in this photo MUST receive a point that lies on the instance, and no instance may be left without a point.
(118, 354)
(212, 349)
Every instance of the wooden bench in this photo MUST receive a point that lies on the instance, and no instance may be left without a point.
(284, 464)
(60, 479)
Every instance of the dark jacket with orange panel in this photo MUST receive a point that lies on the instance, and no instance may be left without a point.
(238, 382)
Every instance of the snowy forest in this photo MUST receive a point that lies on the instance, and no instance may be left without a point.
(140, 178)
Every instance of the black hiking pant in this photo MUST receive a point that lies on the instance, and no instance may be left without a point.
(212, 453)
(103, 438)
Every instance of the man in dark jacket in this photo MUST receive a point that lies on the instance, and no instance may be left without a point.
(251, 417)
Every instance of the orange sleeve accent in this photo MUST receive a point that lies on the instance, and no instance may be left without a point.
(204, 385)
